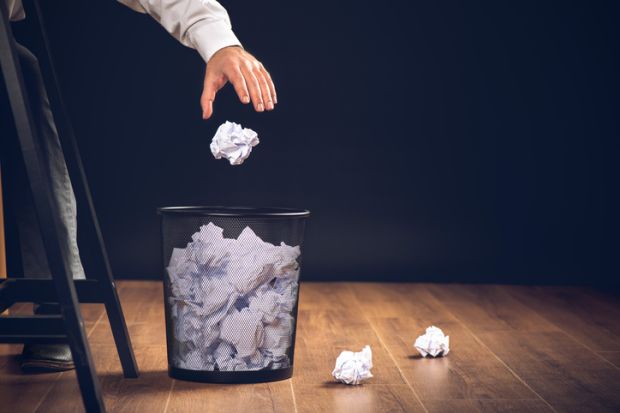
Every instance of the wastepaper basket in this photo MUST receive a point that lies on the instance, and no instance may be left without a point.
(231, 289)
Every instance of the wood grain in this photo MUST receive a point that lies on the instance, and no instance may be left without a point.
(612, 356)
(487, 406)
(330, 320)
(28, 391)
(588, 320)
(470, 373)
(513, 349)
(565, 373)
(201, 397)
(147, 394)
(334, 397)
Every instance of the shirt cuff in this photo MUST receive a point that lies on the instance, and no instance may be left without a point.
(208, 38)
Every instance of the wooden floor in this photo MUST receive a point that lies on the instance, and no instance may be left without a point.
(514, 348)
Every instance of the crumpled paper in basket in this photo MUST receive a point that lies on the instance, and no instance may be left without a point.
(231, 301)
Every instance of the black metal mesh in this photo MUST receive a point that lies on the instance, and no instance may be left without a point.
(231, 302)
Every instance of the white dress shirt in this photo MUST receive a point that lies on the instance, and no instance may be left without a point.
(200, 24)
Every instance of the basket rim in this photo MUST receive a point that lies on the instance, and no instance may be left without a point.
(235, 211)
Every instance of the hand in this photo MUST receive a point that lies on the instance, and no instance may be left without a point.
(247, 75)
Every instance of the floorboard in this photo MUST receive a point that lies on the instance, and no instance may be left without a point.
(513, 349)
(589, 321)
(568, 375)
(400, 312)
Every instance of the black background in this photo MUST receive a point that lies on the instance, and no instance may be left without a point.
(443, 141)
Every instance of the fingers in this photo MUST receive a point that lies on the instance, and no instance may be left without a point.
(248, 76)
(240, 86)
(254, 87)
(264, 86)
(213, 83)
(272, 87)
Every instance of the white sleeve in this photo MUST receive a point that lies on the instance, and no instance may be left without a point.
(200, 24)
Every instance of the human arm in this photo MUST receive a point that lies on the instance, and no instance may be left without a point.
(204, 25)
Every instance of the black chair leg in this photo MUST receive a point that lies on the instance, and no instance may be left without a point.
(67, 136)
(48, 218)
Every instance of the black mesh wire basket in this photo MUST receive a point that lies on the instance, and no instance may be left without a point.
(231, 283)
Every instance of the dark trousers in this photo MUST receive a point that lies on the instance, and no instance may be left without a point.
(15, 183)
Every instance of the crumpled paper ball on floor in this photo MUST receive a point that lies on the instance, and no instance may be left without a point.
(353, 367)
(433, 343)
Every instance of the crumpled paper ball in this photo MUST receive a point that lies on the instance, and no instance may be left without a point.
(233, 142)
(353, 367)
(433, 343)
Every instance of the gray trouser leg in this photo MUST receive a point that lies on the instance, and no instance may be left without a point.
(34, 260)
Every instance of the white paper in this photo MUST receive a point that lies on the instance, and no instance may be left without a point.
(195, 360)
(226, 358)
(277, 338)
(244, 330)
(255, 262)
(233, 142)
(231, 301)
(433, 343)
(353, 367)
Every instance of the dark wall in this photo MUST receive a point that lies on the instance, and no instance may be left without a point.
(442, 140)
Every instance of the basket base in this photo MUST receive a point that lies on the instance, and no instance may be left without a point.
(231, 377)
